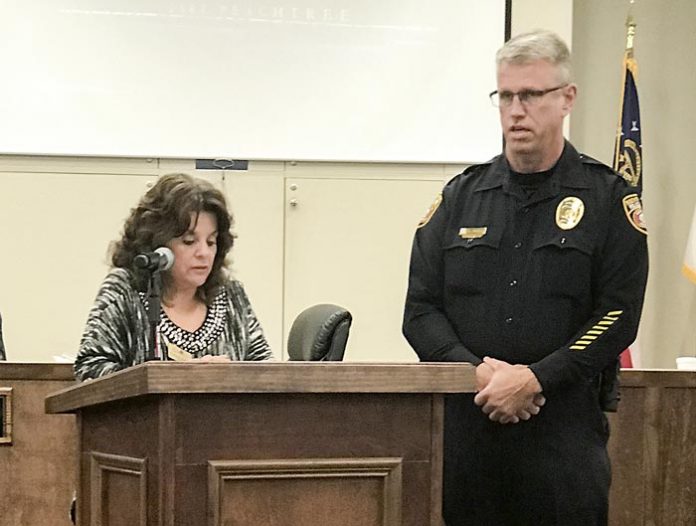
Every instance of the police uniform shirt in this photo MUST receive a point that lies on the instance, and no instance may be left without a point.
(554, 278)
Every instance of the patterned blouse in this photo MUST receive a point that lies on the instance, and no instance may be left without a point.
(117, 334)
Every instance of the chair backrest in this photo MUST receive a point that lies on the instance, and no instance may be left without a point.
(319, 333)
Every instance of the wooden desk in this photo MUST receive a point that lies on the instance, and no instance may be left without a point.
(340, 444)
(653, 450)
(37, 469)
(653, 442)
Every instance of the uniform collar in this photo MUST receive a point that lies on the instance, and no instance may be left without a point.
(569, 173)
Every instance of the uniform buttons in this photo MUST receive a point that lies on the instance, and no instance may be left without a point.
(508, 320)
(518, 244)
(513, 283)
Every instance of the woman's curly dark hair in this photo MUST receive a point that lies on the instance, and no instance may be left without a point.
(164, 213)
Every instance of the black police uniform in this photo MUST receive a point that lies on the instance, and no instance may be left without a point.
(497, 272)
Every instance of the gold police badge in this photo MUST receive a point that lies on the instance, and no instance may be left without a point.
(569, 212)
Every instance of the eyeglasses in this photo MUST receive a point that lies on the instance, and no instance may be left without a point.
(527, 97)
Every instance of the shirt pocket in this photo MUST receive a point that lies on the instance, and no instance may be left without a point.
(470, 263)
(564, 263)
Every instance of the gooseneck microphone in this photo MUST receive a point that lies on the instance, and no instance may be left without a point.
(154, 262)
(161, 259)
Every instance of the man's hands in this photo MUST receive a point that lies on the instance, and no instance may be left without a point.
(507, 393)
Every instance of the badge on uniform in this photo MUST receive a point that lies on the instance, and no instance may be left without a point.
(433, 208)
(469, 232)
(634, 212)
(569, 212)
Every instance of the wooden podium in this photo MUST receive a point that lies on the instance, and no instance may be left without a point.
(271, 443)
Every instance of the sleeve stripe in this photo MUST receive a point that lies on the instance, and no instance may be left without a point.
(596, 331)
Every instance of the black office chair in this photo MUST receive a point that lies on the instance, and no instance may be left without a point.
(319, 333)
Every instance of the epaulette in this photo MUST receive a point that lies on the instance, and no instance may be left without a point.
(470, 171)
(473, 168)
(586, 159)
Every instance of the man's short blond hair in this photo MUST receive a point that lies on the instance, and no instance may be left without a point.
(537, 45)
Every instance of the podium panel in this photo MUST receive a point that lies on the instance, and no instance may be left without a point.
(308, 491)
(273, 443)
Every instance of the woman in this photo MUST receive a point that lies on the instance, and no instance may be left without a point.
(206, 317)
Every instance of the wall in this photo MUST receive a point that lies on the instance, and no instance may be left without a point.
(665, 48)
(307, 233)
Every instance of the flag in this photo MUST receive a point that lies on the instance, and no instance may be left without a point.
(689, 266)
(628, 148)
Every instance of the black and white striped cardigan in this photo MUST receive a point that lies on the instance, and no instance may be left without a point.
(117, 332)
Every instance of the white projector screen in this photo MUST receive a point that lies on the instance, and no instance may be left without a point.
(339, 80)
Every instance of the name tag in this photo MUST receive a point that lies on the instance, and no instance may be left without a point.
(469, 232)
(177, 354)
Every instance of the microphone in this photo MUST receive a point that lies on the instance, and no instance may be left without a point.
(161, 259)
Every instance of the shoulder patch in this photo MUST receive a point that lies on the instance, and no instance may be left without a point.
(433, 208)
(634, 212)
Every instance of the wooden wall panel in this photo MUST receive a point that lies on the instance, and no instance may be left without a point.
(627, 456)
(38, 468)
(676, 472)
(653, 450)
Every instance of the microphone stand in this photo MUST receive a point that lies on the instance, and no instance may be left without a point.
(154, 308)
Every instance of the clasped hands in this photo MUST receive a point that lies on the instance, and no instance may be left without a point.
(507, 393)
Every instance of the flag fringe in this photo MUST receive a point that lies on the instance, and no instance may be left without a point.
(631, 65)
(690, 273)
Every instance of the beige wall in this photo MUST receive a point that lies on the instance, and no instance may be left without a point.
(551, 14)
(347, 241)
(665, 48)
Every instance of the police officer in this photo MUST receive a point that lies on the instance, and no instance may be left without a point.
(532, 267)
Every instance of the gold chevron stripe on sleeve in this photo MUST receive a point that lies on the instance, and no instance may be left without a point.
(596, 331)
